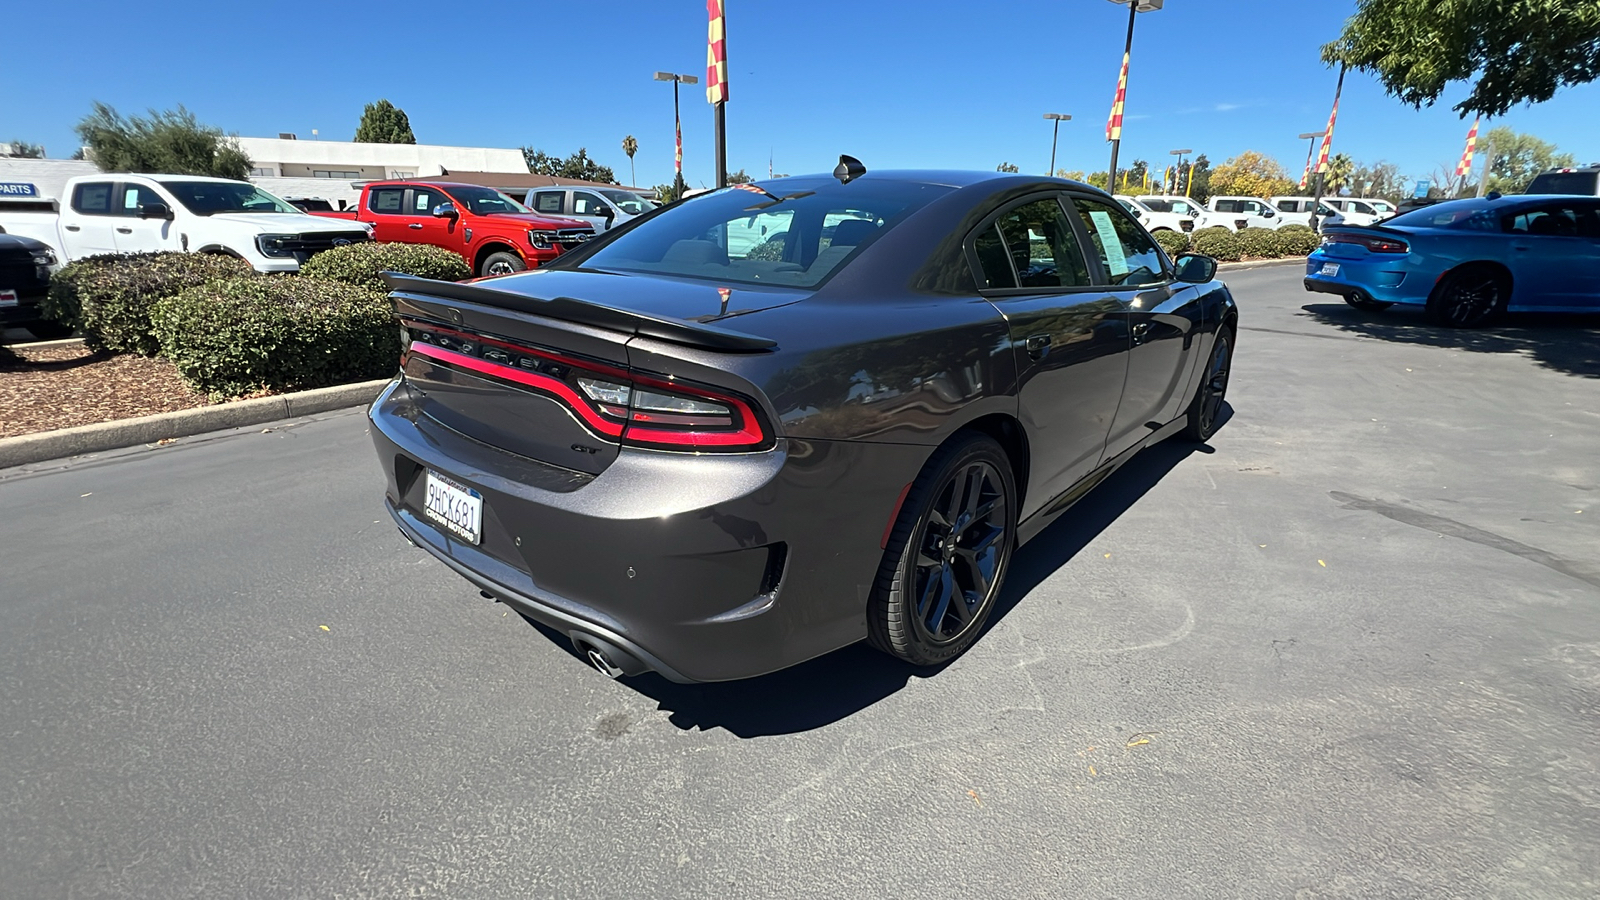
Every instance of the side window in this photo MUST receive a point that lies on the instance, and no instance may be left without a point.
(424, 199)
(93, 198)
(135, 196)
(1253, 207)
(1227, 206)
(1130, 255)
(1031, 246)
(1550, 221)
(586, 204)
(387, 201)
(1588, 219)
(547, 202)
(1288, 206)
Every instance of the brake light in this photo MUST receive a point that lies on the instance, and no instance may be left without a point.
(1373, 243)
(629, 407)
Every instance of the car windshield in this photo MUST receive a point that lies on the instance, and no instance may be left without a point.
(745, 235)
(1469, 215)
(485, 201)
(207, 198)
(629, 202)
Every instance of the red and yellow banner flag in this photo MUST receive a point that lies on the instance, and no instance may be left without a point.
(1327, 138)
(1114, 123)
(716, 54)
(678, 157)
(1465, 166)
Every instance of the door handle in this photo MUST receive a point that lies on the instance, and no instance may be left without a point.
(1521, 247)
(72, 228)
(1140, 329)
(124, 231)
(1038, 345)
(415, 226)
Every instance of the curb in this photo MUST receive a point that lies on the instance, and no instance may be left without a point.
(32, 448)
(1262, 263)
(46, 345)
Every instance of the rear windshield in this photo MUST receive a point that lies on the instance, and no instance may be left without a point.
(1471, 215)
(1581, 183)
(796, 236)
(1157, 205)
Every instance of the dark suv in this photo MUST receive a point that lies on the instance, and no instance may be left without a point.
(25, 266)
(1583, 181)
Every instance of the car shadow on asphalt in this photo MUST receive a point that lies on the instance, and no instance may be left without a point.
(1562, 342)
(837, 685)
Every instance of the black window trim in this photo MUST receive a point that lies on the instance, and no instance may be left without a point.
(1169, 268)
(990, 221)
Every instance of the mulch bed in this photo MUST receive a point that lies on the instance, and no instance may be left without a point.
(59, 387)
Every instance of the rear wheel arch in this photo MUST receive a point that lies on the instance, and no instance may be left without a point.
(1008, 433)
(1498, 268)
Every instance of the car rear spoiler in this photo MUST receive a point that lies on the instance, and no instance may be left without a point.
(582, 312)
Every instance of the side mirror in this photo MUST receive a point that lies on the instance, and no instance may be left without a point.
(607, 214)
(1195, 269)
(1267, 213)
(155, 211)
(445, 211)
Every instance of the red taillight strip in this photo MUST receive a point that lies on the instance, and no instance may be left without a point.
(597, 367)
(531, 379)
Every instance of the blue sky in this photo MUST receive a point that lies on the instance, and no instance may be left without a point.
(898, 83)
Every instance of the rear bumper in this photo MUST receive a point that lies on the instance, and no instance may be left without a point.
(705, 567)
(1383, 282)
(27, 308)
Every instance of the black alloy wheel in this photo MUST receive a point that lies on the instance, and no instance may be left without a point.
(1366, 305)
(947, 556)
(1469, 297)
(502, 263)
(1206, 407)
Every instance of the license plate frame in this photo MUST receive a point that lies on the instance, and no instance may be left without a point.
(1330, 269)
(8, 298)
(455, 508)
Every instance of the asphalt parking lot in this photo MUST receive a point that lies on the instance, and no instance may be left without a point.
(1349, 649)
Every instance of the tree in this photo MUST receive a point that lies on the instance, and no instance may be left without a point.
(1341, 169)
(1517, 158)
(1197, 180)
(630, 147)
(171, 142)
(667, 193)
(25, 150)
(384, 123)
(1381, 179)
(78, 154)
(1514, 51)
(1007, 167)
(578, 166)
(1251, 174)
(739, 177)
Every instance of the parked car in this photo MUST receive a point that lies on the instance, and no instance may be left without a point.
(1584, 181)
(316, 204)
(188, 213)
(493, 233)
(1237, 213)
(1183, 206)
(25, 269)
(1156, 215)
(1469, 261)
(1353, 211)
(1297, 210)
(602, 208)
(713, 464)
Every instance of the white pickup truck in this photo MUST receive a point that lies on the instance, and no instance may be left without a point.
(152, 213)
(1156, 215)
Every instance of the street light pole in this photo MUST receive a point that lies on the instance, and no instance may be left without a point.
(1311, 148)
(678, 184)
(1178, 172)
(1134, 8)
(1058, 118)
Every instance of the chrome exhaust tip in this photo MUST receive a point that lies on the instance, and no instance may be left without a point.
(606, 658)
(603, 665)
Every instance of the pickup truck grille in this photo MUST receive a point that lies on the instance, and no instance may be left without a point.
(1186, 224)
(571, 238)
(22, 275)
(318, 241)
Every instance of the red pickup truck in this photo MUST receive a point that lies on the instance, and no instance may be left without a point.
(495, 234)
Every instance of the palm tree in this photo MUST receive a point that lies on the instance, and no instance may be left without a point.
(1340, 168)
(630, 147)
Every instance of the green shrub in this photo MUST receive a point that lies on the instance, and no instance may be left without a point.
(359, 264)
(1293, 226)
(1176, 243)
(1258, 242)
(1218, 243)
(240, 335)
(1296, 243)
(109, 297)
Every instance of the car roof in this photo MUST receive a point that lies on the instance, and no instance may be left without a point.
(162, 179)
(952, 178)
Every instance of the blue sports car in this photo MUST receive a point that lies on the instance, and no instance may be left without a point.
(1469, 261)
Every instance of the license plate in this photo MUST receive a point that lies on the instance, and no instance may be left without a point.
(455, 506)
(8, 298)
(1330, 268)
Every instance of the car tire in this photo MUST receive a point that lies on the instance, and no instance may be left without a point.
(1366, 305)
(48, 331)
(934, 593)
(1206, 407)
(1469, 297)
(501, 263)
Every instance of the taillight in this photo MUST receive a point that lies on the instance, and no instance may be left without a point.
(1373, 243)
(629, 407)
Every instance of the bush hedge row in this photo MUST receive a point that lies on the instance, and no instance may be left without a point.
(109, 297)
(1253, 243)
(359, 264)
